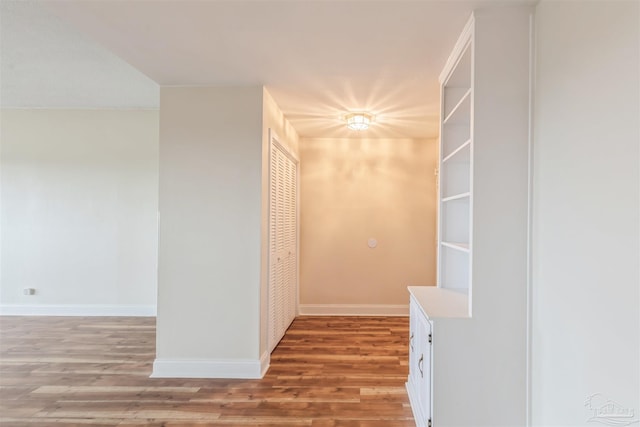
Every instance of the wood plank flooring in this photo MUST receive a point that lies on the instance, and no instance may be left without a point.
(326, 372)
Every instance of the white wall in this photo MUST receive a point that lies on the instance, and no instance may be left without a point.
(586, 317)
(210, 231)
(79, 211)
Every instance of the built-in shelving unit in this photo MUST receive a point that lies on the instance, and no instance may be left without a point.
(467, 354)
(451, 298)
(456, 190)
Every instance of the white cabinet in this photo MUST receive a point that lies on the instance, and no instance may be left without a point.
(474, 371)
(429, 307)
(283, 241)
(419, 383)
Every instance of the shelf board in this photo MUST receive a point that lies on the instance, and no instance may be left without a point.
(459, 246)
(456, 197)
(463, 104)
(436, 302)
(466, 144)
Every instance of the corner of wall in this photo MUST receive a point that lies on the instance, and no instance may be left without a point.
(214, 368)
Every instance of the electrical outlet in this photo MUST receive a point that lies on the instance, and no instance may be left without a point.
(29, 291)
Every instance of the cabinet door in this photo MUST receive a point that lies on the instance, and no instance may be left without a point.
(419, 364)
(424, 368)
(414, 339)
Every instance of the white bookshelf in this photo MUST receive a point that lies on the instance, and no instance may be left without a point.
(456, 190)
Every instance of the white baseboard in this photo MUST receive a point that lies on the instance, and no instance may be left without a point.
(77, 310)
(265, 360)
(220, 368)
(354, 309)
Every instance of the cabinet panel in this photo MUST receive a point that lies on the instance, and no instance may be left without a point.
(454, 179)
(455, 224)
(454, 268)
(414, 340)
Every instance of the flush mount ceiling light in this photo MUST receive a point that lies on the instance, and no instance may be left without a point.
(358, 121)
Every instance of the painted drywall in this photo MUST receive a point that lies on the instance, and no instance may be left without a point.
(210, 227)
(274, 120)
(79, 211)
(586, 316)
(356, 189)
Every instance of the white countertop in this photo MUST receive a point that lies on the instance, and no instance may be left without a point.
(441, 303)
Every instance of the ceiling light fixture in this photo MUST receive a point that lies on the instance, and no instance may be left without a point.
(358, 121)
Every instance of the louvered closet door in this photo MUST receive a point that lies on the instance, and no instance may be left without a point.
(282, 243)
(292, 238)
(273, 249)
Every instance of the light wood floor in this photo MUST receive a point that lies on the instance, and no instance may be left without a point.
(327, 371)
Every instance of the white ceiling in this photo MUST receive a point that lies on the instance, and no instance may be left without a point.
(45, 63)
(319, 59)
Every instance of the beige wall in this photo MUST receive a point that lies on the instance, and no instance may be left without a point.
(272, 118)
(210, 229)
(79, 210)
(356, 189)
